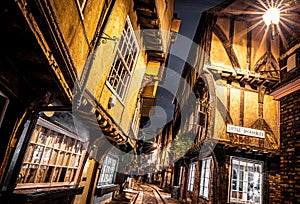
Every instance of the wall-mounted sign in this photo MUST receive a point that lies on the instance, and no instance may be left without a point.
(245, 131)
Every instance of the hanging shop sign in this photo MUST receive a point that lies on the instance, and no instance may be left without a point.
(245, 131)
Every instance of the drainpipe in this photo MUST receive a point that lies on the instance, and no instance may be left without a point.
(86, 72)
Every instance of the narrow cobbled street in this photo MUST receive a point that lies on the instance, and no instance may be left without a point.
(144, 194)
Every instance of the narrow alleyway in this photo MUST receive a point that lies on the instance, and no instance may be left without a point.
(144, 194)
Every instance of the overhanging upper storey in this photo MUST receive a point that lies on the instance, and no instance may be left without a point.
(250, 40)
(158, 26)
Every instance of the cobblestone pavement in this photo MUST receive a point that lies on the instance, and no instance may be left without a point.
(144, 194)
(166, 196)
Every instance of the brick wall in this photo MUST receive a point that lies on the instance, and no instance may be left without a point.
(290, 147)
(273, 185)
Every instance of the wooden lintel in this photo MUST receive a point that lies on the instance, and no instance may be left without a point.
(244, 78)
(265, 81)
(253, 80)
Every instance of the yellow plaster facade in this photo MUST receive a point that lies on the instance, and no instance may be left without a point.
(241, 102)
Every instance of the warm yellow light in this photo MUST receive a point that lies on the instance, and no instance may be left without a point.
(49, 113)
(271, 16)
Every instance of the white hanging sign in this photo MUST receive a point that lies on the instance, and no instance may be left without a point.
(245, 131)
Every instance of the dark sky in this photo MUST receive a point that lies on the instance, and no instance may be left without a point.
(189, 11)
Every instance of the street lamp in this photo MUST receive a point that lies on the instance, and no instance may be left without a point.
(271, 18)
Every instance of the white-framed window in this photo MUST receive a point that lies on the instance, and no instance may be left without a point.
(136, 120)
(108, 170)
(205, 177)
(192, 176)
(124, 61)
(180, 175)
(53, 157)
(246, 181)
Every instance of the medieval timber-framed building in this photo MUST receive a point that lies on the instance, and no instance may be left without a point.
(74, 76)
(235, 154)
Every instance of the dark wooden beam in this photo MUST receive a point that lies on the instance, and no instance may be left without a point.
(228, 47)
(242, 106)
(262, 60)
(249, 47)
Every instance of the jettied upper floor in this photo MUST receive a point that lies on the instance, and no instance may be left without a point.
(234, 67)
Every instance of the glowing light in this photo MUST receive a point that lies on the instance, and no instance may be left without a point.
(271, 16)
(49, 113)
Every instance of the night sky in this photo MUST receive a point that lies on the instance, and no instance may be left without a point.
(189, 11)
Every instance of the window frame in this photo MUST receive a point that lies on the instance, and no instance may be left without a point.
(55, 150)
(205, 177)
(245, 174)
(104, 172)
(180, 175)
(136, 120)
(122, 68)
(191, 178)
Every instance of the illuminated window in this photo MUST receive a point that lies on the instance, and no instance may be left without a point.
(192, 176)
(53, 156)
(180, 175)
(108, 171)
(124, 61)
(246, 181)
(205, 178)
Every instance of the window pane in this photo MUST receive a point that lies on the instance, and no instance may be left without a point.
(245, 181)
(205, 177)
(107, 170)
(38, 150)
(50, 157)
(49, 173)
(205, 192)
(29, 154)
(22, 174)
(191, 177)
(42, 136)
(31, 174)
(41, 174)
(121, 70)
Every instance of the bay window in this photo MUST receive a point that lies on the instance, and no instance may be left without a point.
(53, 157)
